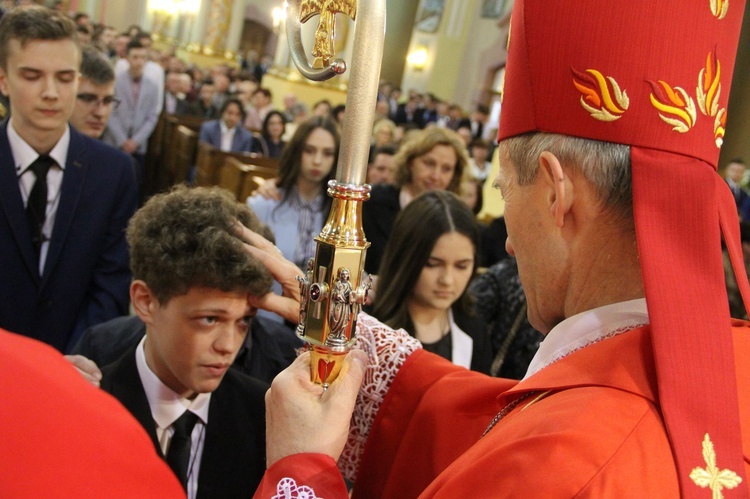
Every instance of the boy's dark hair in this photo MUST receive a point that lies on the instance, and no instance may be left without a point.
(96, 68)
(481, 143)
(186, 238)
(234, 101)
(390, 150)
(132, 45)
(33, 23)
(264, 91)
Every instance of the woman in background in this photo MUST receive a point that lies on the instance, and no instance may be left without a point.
(431, 159)
(274, 127)
(305, 167)
(424, 275)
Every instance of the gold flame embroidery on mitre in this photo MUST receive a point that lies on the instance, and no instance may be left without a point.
(720, 124)
(675, 106)
(711, 476)
(602, 96)
(719, 8)
(709, 86)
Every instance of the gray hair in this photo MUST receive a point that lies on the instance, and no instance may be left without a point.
(604, 164)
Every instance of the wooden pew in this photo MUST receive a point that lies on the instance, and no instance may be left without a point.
(169, 156)
(183, 148)
(242, 178)
(210, 159)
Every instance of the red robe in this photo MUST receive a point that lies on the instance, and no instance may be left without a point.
(62, 437)
(589, 426)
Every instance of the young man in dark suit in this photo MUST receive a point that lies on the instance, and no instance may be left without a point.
(193, 286)
(65, 199)
(227, 132)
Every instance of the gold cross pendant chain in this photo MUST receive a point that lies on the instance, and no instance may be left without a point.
(505, 410)
(512, 405)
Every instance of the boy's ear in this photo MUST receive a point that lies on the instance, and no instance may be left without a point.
(3, 82)
(143, 300)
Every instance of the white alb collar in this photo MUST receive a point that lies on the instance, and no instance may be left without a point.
(588, 327)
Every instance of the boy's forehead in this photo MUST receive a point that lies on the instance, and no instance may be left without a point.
(87, 86)
(64, 54)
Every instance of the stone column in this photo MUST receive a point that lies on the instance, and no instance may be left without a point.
(237, 23)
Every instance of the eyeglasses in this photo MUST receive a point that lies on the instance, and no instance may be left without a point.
(93, 99)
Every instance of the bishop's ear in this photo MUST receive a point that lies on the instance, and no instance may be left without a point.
(558, 187)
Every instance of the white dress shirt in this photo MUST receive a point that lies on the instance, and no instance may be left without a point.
(588, 327)
(23, 156)
(227, 136)
(462, 345)
(166, 406)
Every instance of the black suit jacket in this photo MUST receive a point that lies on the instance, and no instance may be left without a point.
(234, 456)
(378, 216)
(404, 117)
(87, 274)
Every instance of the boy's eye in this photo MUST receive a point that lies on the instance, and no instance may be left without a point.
(245, 322)
(66, 77)
(209, 321)
(29, 75)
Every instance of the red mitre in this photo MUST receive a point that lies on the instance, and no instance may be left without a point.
(654, 75)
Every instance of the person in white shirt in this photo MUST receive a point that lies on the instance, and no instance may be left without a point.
(194, 287)
(227, 133)
(480, 167)
(66, 198)
(616, 216)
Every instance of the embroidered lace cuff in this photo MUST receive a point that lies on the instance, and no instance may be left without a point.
(387, 350)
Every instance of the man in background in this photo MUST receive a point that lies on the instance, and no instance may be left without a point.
(381, 170)
(134, 119)
(734, 175)
(96, 95)
(65, 198)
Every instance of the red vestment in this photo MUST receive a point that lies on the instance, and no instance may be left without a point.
(62, 437)
(589, 425)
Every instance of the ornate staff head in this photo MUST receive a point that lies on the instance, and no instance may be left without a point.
(334, 288)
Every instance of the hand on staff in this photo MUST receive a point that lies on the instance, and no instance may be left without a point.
(301, 417)
(284, 271)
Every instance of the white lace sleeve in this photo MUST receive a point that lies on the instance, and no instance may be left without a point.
(387, 351)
